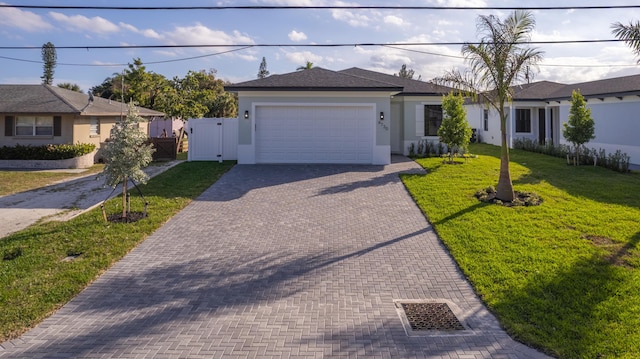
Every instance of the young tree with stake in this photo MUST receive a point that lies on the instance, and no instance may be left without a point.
(126, 154)
(581, 127)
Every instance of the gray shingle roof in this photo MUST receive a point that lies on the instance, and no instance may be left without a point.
(619, 86)
(536, 91)
(45, 99)
(547, 91)
(314, 79)
(410, 86)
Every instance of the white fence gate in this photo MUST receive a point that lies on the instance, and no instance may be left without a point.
(212, 139)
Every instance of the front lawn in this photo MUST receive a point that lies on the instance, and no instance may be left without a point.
(564, 276)
(45, 265)
(14, 181)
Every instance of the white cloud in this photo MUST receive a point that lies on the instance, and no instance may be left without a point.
(297, 36)
(150, 33)
(23, 20)
(300, 58)
(461, 3)
(393, 20)
(80, 23)
(200, 35)
(351, 18)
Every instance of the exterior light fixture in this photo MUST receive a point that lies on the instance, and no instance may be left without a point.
(381, 116)
(246, 115)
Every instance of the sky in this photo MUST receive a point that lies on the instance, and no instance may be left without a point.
(566, 63)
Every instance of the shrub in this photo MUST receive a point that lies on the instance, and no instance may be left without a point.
(617, 161)
(45, 152)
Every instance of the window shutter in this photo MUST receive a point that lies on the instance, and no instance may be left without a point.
(420, 120)
(57, 126)
(8, 125)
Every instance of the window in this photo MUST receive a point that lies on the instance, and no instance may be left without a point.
(432, 119)
(34, 126)
(523, 120)
(94, 126)
(485, 117)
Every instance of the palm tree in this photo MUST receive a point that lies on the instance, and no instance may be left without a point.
(630, 34)
(308, 66)
(497, 63)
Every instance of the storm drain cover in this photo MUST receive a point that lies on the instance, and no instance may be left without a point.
(431, 316)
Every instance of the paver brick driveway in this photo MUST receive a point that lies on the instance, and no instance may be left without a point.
(278, 261)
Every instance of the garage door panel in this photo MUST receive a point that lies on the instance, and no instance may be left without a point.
(314, 134)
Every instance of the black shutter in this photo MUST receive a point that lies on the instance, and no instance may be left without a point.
(8, 125)
(57, 126)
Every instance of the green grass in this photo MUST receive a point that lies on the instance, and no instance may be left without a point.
(564, 276)
(17, 181)
(34, 278)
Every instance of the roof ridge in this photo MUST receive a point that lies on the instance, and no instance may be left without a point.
(365, 78)
(62, 98)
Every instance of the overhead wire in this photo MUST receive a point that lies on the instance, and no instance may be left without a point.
(240, 47)
(312, 7)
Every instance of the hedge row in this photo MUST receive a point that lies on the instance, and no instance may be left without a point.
(618, 161)
(45, 152)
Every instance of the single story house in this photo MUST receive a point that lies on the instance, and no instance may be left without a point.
(43, 114)
(324, 116)
(539, 109)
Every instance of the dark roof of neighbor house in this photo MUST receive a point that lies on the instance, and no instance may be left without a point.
(314, 79)
(539, 90)
(548, 91)
(410, 86)
(619, 86)
(46, 99)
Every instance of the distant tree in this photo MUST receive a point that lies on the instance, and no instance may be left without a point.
(498, 62)
(126, 153)
(198, 94)
(454, 131)
(307, 66)
(105, 89)
(407, 74)
(630, 34)
(70, 86)
(140, 86)
(581, 128)
(49, 58)
(263, 72)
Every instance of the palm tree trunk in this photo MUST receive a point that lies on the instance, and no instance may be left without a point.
(504, 190)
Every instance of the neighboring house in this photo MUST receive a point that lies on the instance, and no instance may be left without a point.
(43, 114)
(539, 109)
(323, 116)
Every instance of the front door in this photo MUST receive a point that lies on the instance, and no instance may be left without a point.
(542, 125)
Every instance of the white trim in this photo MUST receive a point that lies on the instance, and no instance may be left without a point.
(246, 154)
(381, 155)
(420, 119)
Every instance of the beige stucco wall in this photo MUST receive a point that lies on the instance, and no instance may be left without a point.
(10, 141)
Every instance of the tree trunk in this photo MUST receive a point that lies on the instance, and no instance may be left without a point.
(504, 190)
(124, 197)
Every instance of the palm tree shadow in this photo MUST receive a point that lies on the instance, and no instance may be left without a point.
(573, 327)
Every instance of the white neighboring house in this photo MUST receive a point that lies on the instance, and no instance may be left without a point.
(539, 109)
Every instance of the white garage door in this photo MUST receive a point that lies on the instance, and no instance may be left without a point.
(314, 134)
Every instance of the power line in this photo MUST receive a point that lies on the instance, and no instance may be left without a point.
(458, 57)
(346, 7)
(364, 44)
(118, 65)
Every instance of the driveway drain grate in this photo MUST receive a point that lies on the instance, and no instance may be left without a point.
(431, 316)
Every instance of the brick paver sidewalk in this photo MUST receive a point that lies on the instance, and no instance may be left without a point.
(278, 261)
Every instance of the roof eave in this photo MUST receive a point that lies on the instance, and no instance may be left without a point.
(311, 88)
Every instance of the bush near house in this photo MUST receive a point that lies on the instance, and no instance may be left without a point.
(618, 161)
(45, 152)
